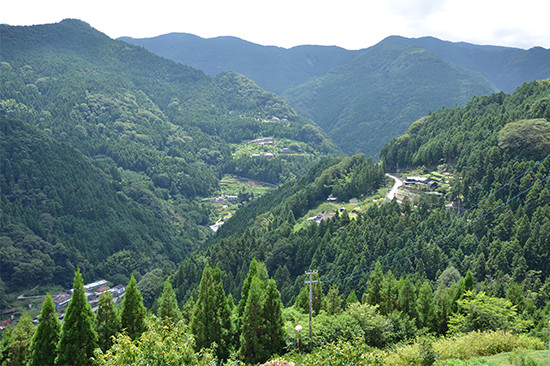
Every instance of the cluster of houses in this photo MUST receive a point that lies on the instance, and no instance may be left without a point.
(219, 223)
(262, 155)
(321, 217)
(91, 290)
(420, 181)
(224, 198)
(263, 141)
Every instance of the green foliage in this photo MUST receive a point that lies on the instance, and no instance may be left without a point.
(211, 321)
(16, 350)
(78, 331)
(153, 137)
(44, 342)
(261, 322)
(108, 320)
(423, 351)
(133, 311)
(168, 309)
(479, 312)
(375, 97)
(528, 137)
(158, 345)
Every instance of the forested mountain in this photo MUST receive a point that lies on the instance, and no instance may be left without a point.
(486, 144)
(163, 134)
(60, 211)
(362, 98)
(273, 68)
(364, 104)
(505, 67)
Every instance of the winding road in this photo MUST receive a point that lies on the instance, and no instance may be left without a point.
(398, 183)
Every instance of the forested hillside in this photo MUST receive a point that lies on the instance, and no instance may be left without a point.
(59, 211)
(363, 98)
(162, 134)
(495, 148)
(273, 68)
(377, 96)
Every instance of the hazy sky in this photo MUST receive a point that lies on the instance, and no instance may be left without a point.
(351, 24)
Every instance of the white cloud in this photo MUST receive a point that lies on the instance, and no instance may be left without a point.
(347, 23)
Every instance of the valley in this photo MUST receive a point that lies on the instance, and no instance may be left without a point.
(409, 181)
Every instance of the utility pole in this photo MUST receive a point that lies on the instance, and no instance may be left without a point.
(310, 282)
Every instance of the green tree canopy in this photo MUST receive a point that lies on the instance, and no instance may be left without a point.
(133, 311)
(482, 312)
(44, 341)
(211, 321)
(168, 304)
(108, 320)
(78, 331)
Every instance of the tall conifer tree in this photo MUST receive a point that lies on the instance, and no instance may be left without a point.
(108, 320)
(168, 304)
(272, 313)
(45, 339)
(211, 321)
(133, 311)
(18, 352)
(78, 332)
(252, 338)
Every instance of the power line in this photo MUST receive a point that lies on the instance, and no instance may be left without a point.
(448, 223)
(362, 273)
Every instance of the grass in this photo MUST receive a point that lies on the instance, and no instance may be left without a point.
(497, 348)
(515, 358)
(246, 149)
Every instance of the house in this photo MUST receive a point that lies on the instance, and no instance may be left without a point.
(101, 289)
(94, 285)
(331, 198)
(232, 199)
(4, 324)
(62, 300)
(421, 181)
(9, 311)
(321, 217)
(354, 201)
(217, 199)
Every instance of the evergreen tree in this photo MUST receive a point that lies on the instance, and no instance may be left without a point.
(18, 350)
(45, 339)
(252, 348)
(255, 268)
(78, 332)
(333, 301)
(187, 310)
(211, 321)
(272, 313)
(351, 299)
(168, 304)
(374, 285)
(133, 311)
(424, 306)
(108, 320)
(407, 297)
(469, 281)
(5, 345)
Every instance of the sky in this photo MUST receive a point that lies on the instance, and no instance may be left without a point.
(351, 24)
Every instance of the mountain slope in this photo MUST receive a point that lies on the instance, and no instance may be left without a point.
(164, 133)
(377, 96)
(355, 103)
(482, 144)
(505, 67)
(273, 68)
(59, 211)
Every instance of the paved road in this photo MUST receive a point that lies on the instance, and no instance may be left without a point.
(398, 183)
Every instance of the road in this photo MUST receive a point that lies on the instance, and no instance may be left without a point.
(398, 183)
